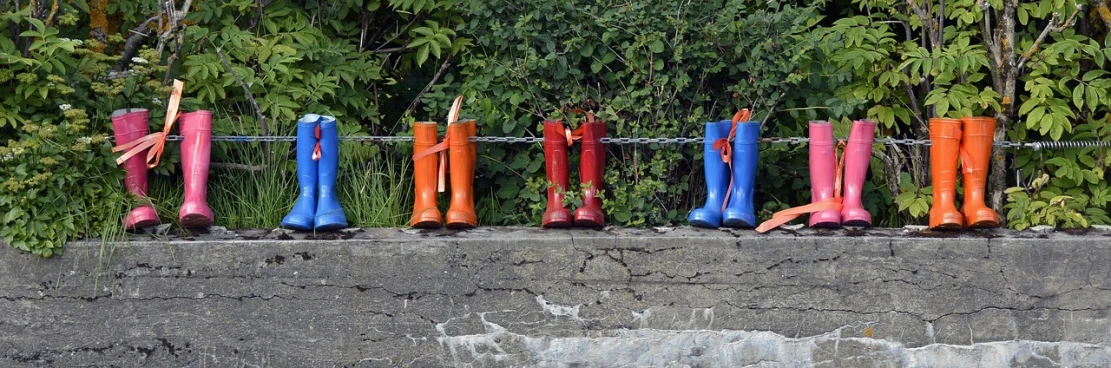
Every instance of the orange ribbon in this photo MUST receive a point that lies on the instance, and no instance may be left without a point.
(156, 142)
(723, 145)
(452, 117)
(316, 150)
(577, 134)
(788, 215)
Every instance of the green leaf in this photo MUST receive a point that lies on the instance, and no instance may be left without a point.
(422, 54)
(1078, 96)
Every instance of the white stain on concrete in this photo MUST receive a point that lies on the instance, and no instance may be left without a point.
(560, 310)
(729, 348)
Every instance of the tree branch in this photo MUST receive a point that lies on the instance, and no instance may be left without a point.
(1104, 12)
(258, 13)
(927, 23)
(247, 90)
(141, 32)
(175, 17)
(53, 12)
(440, 73)
(989, 39)
(392, 50)
(1055, 25)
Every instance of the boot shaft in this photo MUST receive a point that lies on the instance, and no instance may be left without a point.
(462, 154)
(425, 169)
(945, 137)
(977, 139)
(858, 154)
(592, 161)
(823, 161)
(555, 157)
(329, 151)
(129, 125)
(306, 144)
(196, 147)
(740, 211)
(715, 168)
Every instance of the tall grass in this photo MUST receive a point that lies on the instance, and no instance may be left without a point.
(374, 185)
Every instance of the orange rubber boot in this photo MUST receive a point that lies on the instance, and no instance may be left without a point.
(946, 137)
(425, 212)
(975, 158)
(462, 154)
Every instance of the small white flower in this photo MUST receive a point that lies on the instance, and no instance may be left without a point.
(85, 140)
(78, 43)
(65, 107)
(156, 101)
(138, 60)
(7, 157)
(65, 39)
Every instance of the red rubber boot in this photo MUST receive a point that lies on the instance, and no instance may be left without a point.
(592, 169)
(555, 160)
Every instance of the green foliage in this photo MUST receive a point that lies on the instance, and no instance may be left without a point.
(344, 59)
(656, 69)
(916, 201)
(649, 68)
(902, 76)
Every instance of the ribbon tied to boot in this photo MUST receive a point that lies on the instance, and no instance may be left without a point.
(725, 146)
(441, 148)
(156, 142)
(787, 215)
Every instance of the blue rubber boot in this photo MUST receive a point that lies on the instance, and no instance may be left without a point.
(301, 217)
(717, 178)
(740, 212)
(329, 214)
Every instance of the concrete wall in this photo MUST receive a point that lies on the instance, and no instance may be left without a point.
(525, 297)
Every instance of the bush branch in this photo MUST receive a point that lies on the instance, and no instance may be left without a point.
(440, 73)
(1055, 25)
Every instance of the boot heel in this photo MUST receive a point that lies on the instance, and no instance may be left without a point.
(196, 214)
(141, 217)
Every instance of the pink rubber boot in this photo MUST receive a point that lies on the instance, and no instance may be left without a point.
(196, 149)
(858, 154)
(823, 162)
(129, 125)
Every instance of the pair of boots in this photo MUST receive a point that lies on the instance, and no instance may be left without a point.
(730, 173)
(317, 207)
(592, 167)
(130, 126)
(828, 208)
(971, 138)
(429, 174)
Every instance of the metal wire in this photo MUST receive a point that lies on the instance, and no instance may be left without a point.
(1037, 145)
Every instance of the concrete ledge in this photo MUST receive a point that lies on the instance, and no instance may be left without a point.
(502, 297)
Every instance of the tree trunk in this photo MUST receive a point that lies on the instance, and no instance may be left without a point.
(997, 178)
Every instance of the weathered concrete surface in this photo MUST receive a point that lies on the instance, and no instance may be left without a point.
(524, 297)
